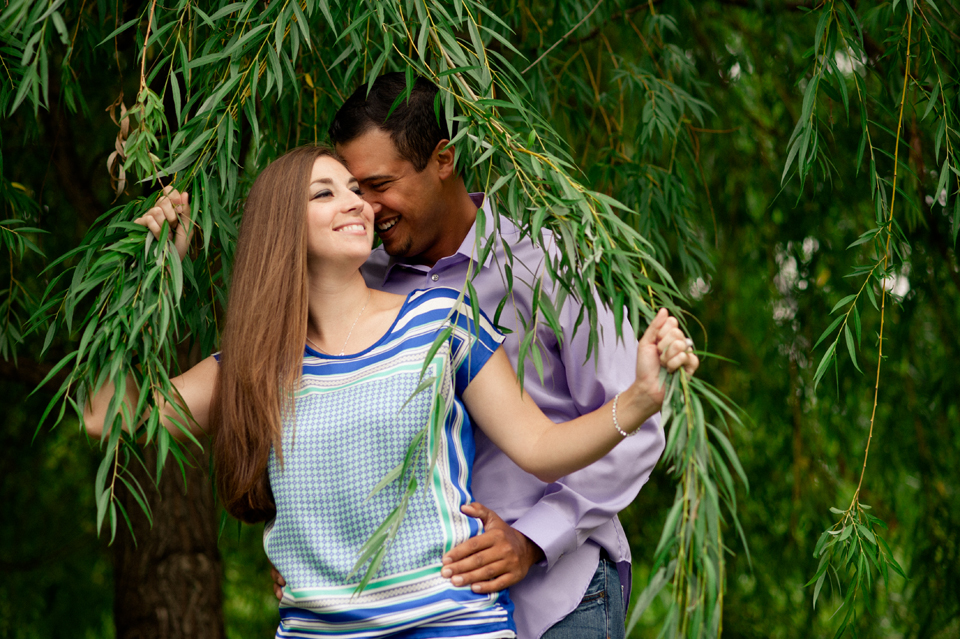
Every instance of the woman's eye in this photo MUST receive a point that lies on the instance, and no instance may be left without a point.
(320, 195)
(358, 191)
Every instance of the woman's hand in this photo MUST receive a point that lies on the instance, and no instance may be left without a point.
(663, 345)
(174, 207)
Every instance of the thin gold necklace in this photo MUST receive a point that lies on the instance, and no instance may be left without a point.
(349, 333)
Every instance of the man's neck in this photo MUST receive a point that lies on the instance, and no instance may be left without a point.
(463, 214)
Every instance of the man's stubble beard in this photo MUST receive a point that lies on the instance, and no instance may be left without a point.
(401, 248)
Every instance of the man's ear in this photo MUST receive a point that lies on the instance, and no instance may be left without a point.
(446, 156)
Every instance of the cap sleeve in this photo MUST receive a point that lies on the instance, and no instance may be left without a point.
(473, 341)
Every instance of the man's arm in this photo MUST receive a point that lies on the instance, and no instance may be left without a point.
(572, 508)
(494, 560)
(559, 523)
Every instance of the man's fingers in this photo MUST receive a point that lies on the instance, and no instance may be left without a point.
(476, 511)
(278, 582)
(470, 547)
(489, 572)
(500, 583)
(479, 567)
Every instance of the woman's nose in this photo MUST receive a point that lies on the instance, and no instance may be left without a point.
(354, 203)
(371, 198)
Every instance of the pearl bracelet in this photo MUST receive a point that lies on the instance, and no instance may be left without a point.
(616, 422)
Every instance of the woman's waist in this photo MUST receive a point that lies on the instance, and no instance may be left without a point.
(419, 603)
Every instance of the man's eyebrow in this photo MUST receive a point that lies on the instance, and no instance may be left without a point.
(377, 178)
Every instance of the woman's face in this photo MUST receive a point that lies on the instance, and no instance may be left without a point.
(339, 221)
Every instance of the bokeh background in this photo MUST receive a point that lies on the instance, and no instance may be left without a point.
(762, 257)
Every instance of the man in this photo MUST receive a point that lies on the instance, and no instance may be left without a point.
(559, 547)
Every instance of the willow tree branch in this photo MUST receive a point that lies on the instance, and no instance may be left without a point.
(565, 36)
(886, 257)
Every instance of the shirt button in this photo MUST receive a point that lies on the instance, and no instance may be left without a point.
(435, 277)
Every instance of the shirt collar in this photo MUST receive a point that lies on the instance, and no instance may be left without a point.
(468, 249)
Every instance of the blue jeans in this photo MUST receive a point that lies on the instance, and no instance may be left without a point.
(600, 614)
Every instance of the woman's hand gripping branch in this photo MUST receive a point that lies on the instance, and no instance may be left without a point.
(195, 387)
(173, 207)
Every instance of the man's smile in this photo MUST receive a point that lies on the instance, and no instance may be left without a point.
(386, 225)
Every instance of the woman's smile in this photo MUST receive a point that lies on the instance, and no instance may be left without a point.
(355, 228)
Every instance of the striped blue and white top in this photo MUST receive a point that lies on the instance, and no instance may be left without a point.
(355, 417)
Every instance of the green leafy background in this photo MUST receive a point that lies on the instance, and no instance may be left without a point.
(721, 157)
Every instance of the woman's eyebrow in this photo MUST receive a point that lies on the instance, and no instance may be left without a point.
(322, 181)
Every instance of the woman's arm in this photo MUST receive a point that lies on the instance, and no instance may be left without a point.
(197, 384)
(511, 419)
(195, 387)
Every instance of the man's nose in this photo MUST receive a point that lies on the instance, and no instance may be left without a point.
(374, 201)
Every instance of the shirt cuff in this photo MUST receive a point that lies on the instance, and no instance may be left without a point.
(551, 530)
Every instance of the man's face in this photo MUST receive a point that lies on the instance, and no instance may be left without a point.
(409, 214)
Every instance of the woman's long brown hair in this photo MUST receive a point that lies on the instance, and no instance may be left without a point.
(263, 338)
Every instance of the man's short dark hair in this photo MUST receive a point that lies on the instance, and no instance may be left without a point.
(412, 124)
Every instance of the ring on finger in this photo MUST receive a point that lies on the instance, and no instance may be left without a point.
(689, 343)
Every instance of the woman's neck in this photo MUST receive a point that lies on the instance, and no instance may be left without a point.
(335, 306)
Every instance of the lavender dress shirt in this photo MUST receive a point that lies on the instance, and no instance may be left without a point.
(572, 519)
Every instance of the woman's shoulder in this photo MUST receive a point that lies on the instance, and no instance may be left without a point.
(444, 304)
(435, 298)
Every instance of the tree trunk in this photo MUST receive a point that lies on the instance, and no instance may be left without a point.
(167, 582)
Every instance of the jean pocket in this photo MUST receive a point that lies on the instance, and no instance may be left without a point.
(593, 596)
(597, 588)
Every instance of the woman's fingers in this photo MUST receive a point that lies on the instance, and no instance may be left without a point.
(155, 216)
(173, 207)
(689, 361)
(651, 335)
(186, 227)
(692, 363)
(674, 340)
(668, 330)
(675, 350)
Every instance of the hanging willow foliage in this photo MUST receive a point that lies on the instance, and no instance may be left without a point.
(853, 552)
(225, 87)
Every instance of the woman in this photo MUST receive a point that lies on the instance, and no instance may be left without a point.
(307, 451)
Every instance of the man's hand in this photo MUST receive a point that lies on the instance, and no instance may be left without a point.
(278, 582)
(174, 208)
(493, 561)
